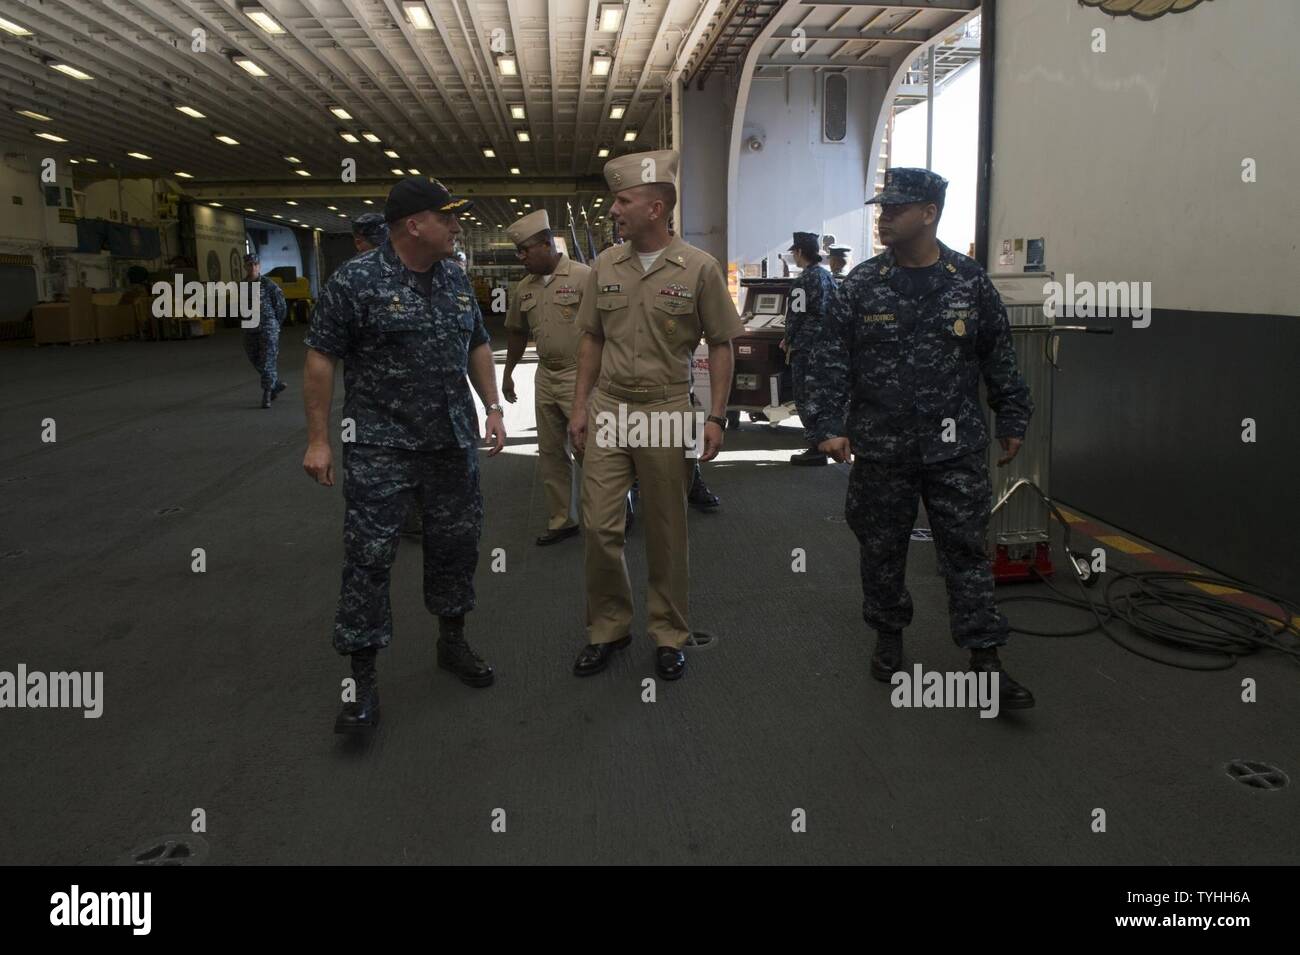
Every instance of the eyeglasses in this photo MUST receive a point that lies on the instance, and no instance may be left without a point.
(522, 250)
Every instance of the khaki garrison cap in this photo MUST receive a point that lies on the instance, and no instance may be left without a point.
(527, 227)
(638, 169)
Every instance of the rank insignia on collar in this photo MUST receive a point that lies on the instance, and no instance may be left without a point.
(950, 267)
(612, 288)
(526, 295)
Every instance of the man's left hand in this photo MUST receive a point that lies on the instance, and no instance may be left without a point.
(496, 433)
(1012, 447)
(712, 441)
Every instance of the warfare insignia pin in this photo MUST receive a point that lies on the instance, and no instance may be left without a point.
(959, 327)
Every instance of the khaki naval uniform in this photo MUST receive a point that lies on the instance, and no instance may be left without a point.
(549, 313)
(651, 322)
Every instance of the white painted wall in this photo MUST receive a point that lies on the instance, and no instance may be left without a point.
(797, 182)
(132, 203)
(702, 176)
(28, 225)
(955, 154)
(1128, 162)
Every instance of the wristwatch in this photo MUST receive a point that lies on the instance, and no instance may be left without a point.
(720, 422)
(497, 408)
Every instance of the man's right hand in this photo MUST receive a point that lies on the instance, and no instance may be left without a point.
(837, 448)
(508, 389)
(319, 463)
(578, 428)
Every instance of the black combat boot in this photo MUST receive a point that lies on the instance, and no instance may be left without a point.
(456, 655)
(699, 496)
(266, 397)
(364, 713)
(1011, 695)
(810, 458)
(888, 657)
(279, 387)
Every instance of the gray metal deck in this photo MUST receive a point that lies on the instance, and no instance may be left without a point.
(221, 688)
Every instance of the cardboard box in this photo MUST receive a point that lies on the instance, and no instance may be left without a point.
(114, 321)
(71, 321)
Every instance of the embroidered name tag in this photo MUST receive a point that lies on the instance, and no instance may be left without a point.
(611, 288)
(880, 317)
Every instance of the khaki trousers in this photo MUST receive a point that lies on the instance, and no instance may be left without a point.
(553, 402)
(665, 476)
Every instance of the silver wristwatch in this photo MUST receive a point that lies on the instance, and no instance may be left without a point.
(497, 408)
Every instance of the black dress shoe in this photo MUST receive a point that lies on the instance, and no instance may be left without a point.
(456, 655)
(555, 536)
(888, 657)
(810, 458)
(1011, 695)
(701, 498)
(279, 387)
(363, 714)
(266, 397)
(594, 657)
(670, 663)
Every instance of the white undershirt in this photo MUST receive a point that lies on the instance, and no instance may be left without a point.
(648, 259)
(546, 279)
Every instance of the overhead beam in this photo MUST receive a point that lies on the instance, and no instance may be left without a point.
(963, 5)
(870, 63)
(849, 33)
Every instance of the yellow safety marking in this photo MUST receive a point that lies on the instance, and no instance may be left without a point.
(1070, 518)
(1124, 545)
(1215, 588)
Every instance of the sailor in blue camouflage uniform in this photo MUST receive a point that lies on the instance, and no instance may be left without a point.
(811, 296)
(404, 322)
(369, 231)
(262, 342)
(893, 385)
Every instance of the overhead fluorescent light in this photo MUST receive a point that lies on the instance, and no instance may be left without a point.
(139, 156)
(191, 111)
(228, 140)
(629, 136)
(342, 215)
(391, 154)
(10, 27)
(88, 159)
(290, 202)
(610, 17)
(295, 220)
(369, 202)
(292, 159)
(182, 175)
(418, 15)
(602, 152)
(528, 205)
(75, 162)
(513, 200)
(52, 138)
(302, 172)
(215, 205)
(264, 20)
(517, 112)
(348, 137)
(397, 172)
(489, 152)
(246, 209)
(616, 112)
(507, 64)
(413, 172)
(370, 137)
(340, 112)
(522, 134)
(72, 71)
(30, 115)
(248, 66)
(332, 208)
(277, 216)
(600, 64)
(514, 170)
